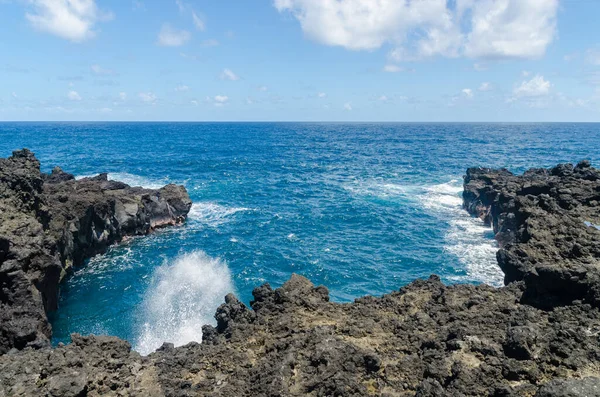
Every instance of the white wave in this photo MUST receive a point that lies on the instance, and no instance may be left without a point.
(131, 180)
(213, 214)
(183, 297)
(467, 237)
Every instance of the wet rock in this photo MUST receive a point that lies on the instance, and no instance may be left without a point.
(51, 222)
(540, 221)
(533, 337)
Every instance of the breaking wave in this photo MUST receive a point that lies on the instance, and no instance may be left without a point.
(182, 298)
(212, 214)
(467, 237)
(132, 180)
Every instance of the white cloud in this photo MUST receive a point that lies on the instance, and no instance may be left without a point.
(511, 28)
(14, 95)
(170, 37)
(210, 43)
(69, 19)
(485, 87)
(322, 95)
(194, 102)
(147, 97)
(467, 92)
(99, 70)
(74, 96)
(474, 28)
(535, 87)
(182, 88)
(348, 106)
(383, 98)
(525, 73)
(390, 68)
(263, 88)
(122, 96)
(227, 74)
(218, 100)
(480, 67)
(198, 21)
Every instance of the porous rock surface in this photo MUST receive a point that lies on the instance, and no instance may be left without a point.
(51, 222)
(426, 339)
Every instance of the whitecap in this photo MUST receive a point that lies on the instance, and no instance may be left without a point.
(131, 180)
(183, 297)
(213, 214)
(467, 238)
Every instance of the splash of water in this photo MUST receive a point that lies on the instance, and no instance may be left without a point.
(182, 298)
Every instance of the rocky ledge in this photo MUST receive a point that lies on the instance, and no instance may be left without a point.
(51, 222)
(427, 339)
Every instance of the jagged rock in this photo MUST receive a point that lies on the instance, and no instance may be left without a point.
(426, 339)
(50, 222)
(541, 220)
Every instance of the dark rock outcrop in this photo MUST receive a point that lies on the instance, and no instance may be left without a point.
(50, 222)
(427, 339)
(544, 221)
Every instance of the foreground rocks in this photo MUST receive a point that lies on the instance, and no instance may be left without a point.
(546, 222)
(427, 339)
(51, 222)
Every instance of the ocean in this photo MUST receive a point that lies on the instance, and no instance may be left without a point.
(361, 208)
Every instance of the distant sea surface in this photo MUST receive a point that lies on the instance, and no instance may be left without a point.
(360, 208)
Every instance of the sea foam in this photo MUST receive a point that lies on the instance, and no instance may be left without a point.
(131, 180)
(212, 214)
(467, 237)
(183, 296)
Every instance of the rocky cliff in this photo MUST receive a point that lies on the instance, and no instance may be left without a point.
(426, 339)
(50, 222)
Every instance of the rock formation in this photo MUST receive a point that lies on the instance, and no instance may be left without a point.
(529, 338)
(50, 222)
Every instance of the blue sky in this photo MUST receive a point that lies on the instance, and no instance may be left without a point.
(300, 60)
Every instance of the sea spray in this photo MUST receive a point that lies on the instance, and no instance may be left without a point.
(183, 296)
(467, 237)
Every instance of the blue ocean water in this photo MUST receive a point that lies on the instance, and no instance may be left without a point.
(360, 208)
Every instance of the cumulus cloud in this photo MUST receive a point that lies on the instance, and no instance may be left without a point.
(69, 19)
(348, 106)
(487, 29)
(74, 96)
(227, 74)
(182, 88)
(322, 95)
(535, 87)
(122, 96)
(218, 100)
(170, 37)
(147, 97)
(467, 92)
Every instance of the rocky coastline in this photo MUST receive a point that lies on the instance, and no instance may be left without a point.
(537, 336)
(52, 222)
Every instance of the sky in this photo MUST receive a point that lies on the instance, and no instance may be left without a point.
(300, 60)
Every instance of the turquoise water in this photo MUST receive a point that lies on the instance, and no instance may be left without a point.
(360, 208)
